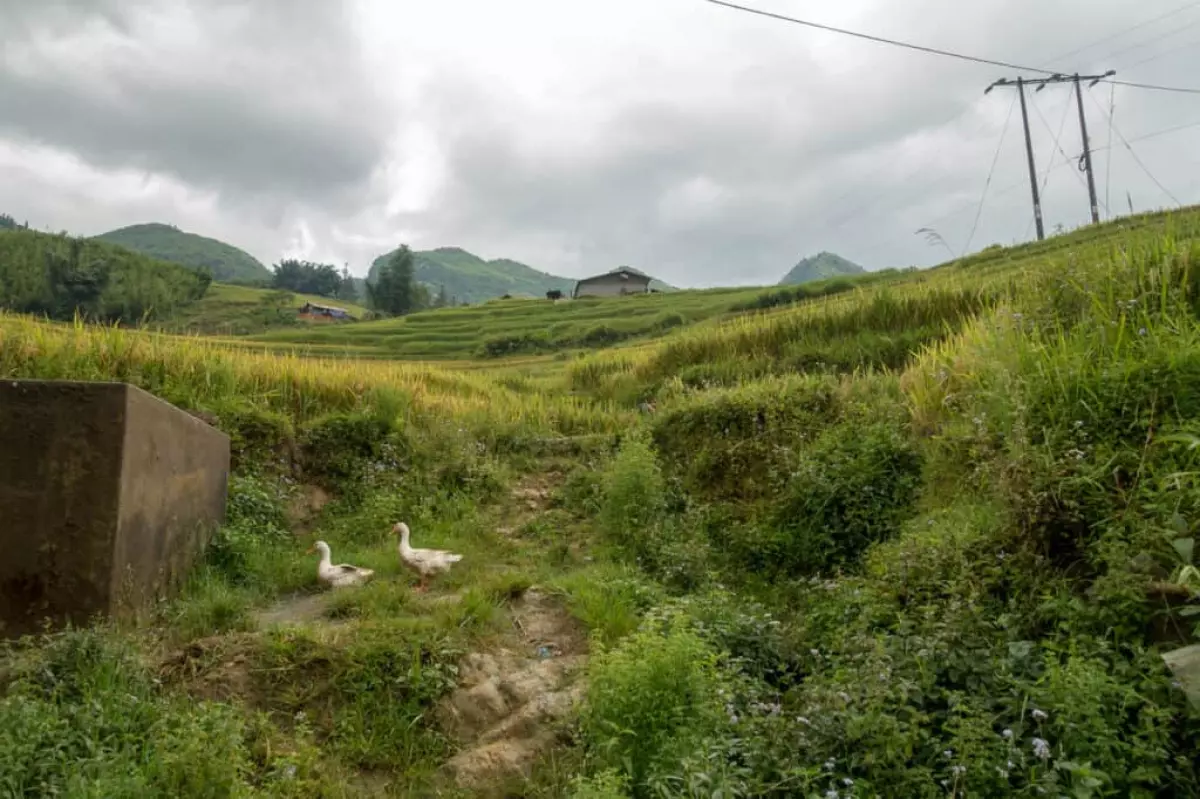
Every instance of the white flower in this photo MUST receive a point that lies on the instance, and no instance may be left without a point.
(1007, 734)
(847, 781)
(831, 794)
(804, 721)
(830, 764)
(949, 753)
(1041, 748)
(958, 771)
(1039, 715)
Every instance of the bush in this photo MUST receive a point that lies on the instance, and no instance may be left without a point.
(634, 494)
(339, 448)
(86, 719)
(853, 488)
(650, 701)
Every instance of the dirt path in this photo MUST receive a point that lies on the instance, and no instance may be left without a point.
(507, 710)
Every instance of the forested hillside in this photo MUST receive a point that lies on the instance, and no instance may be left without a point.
(227, 263)
(57, 276)
(467, 278)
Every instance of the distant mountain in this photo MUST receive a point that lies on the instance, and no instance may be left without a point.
(819, 267)
(168, 243)
(469, 278)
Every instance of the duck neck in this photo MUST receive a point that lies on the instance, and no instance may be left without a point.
(404, 538)
(326, 560)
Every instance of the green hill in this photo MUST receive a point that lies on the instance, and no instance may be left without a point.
(469, 278)
(229, 310)
(819, 267)
(165, 242)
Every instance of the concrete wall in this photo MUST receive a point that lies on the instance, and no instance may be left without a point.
(174, 478)
(107, 495)
(612, 286)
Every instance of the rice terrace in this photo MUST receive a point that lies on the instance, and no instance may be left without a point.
(915, 531)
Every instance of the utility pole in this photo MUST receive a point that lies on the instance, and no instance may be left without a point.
(1037, 203)
(1086, 158)
(1087, 152)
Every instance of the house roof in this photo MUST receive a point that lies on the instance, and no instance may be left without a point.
(627, 271)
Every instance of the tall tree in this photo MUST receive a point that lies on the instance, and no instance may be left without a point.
(442, 300)
(396, 290)
(347, 289)
(305, 277)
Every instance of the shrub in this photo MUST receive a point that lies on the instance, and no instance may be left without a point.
(86, 719)
(339, 448)
(651, 700)
(634, 493)
(853, 488)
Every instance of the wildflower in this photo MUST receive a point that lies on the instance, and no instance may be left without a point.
(1041, 748)
(845, 697)
(847, 781)
(958, 771)
(831, 794)
(804, 721)
(830, 764)
(949, 753)
(815, 653)
(1007, 734)
(1038, 715)
(1141, 331)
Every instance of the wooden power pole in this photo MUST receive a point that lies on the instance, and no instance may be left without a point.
(1086, 158)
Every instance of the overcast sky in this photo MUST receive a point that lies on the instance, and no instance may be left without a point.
(700, 144)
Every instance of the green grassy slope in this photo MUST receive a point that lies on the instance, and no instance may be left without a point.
(229, 310)
(531, 326)
(167, 243)
(821, 266)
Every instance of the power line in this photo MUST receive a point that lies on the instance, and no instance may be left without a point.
(991, 172)
(1152, 40)
(1121, 33)
(1163, 54)
(1150, 86)
(1057, 139)
(1136, 159)
(894, 42)
(921, 48)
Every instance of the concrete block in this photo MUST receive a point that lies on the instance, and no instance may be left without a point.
(108, 495)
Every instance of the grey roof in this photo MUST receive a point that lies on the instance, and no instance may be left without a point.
(627, 269)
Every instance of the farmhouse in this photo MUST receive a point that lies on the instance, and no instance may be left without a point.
(311, 310)
(625, 280)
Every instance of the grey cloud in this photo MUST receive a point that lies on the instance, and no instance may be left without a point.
(783, 143)
(267, 100)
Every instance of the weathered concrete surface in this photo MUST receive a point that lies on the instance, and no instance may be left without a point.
(107, 496)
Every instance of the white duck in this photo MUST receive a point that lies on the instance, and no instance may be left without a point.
(425, 562)
(341, 575)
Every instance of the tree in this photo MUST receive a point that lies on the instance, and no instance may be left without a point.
(347, 289)
(442, 300)
(396, 290)
(305, 277)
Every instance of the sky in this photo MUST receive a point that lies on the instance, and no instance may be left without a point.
(697, 143)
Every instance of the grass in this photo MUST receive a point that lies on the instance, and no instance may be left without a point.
(906, 539)
(502, 328)
(229, 310)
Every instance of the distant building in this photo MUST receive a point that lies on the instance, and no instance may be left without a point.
(625, 280)
(323, 313)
